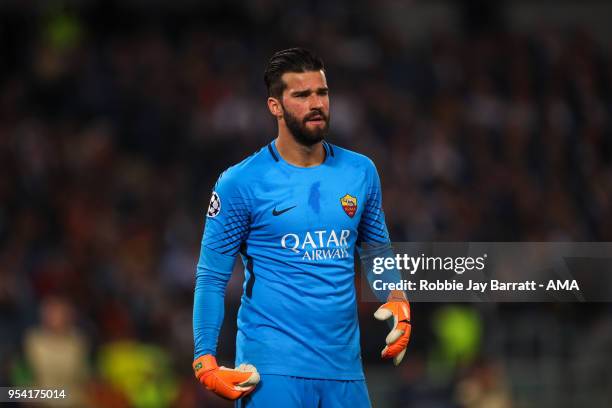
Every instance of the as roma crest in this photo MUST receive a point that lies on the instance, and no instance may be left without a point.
(349, 205)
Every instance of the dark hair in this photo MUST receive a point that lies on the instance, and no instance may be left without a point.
(290, 60)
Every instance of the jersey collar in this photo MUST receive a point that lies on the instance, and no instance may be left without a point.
(329, 151)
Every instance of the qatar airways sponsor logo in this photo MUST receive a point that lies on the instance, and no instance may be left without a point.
(318, 245)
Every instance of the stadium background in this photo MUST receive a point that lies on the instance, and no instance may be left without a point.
(489, 121)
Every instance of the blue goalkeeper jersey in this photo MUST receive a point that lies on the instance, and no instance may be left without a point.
(296, 230)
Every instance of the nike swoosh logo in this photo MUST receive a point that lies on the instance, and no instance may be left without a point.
(284, 210)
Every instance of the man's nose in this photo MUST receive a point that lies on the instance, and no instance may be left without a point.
(316, 102)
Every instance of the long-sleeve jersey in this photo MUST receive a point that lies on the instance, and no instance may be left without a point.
(296, 230)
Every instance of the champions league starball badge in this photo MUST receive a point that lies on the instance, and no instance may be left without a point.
(214, 208)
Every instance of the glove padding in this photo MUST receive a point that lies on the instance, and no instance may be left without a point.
(397, 340)
(228, 383)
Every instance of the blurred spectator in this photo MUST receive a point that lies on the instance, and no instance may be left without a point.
(56, 351)
(458, 333)
(142, 372)
(484, 387)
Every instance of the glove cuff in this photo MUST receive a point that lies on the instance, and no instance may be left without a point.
(204, 364)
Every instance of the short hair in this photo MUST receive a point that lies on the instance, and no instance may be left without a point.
(289, 60)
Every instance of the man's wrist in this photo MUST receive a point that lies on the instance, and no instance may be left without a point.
(397, 296)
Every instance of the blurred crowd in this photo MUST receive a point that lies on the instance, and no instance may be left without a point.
(113, 129)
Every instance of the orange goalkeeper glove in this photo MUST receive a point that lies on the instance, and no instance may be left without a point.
(397, 340)
(228, 383)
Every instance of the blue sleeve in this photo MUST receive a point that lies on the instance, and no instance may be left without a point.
(373, 236)
(372, 228)
(227, 225)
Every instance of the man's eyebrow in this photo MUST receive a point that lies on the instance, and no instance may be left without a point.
(301, 92)
(308, 91)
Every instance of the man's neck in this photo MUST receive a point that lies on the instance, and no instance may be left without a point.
(297, 154)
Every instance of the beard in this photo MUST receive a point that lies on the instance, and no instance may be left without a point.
(301, 133)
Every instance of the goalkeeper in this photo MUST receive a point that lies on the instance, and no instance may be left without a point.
(296, 210)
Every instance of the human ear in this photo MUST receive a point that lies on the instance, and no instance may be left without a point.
(275, 107)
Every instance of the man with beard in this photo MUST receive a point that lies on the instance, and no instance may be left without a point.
(296, 210)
